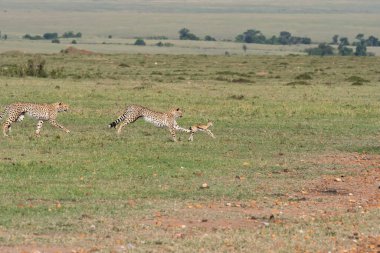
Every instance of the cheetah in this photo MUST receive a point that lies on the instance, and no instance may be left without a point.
(202, 128)
(41, 112)
(159, 119)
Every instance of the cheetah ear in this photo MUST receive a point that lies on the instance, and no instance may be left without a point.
(177, 109)
(60, 103)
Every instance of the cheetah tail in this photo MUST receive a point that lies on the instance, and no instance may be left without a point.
(112, 125)
(117, 121)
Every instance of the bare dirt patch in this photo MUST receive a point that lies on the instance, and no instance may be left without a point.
(328, 195)
(357, 190)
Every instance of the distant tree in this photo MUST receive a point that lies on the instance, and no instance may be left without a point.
(110, 36)
(299, 40)
(68, 35)
(30, 37)
(285, 37)
(71, 34)
(140, 42)
(209, 38)
(55, 41)
(361, 48)
(50, 36)
(73, 42)
(335, 39)
(161, 44)
(360, 36)
(345, 51)
(184, 34)
(251, 36)
(344, 41)
(372, 41)
(4, 37)
(273, 40)
(322, 50)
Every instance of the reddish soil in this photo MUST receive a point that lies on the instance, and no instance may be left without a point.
(321, 198)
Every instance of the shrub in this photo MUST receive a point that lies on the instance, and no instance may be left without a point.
(184, 34)
(304, 76)
(36, 67)
(209, 38)
(31, 37)
(166, 44)
(322, 50)
(357, 79)
(50, 36)
(140, 42)
(71, 34)
(298, 83)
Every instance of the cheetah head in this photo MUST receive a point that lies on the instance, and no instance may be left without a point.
(61, 107)
(177, 113)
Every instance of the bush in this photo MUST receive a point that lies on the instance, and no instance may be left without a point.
(166, 44)
(56, 41)
(50, 36)
(322, 50)
(36, 67)
(71, 35)
(304, 76)
(209, 38)
(357, 79)
(31, 37)
(184, 34)
(140, 42)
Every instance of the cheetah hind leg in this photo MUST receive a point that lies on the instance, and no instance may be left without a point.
(124, 123)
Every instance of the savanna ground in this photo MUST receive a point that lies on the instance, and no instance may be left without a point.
(294, 168)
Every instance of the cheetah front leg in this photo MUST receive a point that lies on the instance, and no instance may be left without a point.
(54, 123)
(178, 128)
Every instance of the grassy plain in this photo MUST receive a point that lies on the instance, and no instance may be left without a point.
(276, 119)
(224, 20)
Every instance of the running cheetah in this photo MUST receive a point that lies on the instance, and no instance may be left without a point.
(159, 119)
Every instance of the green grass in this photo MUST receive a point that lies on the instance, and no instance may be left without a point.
(262, 127)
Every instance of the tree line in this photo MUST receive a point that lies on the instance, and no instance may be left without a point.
(338, 45)
(52, 36)
(343, 46)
